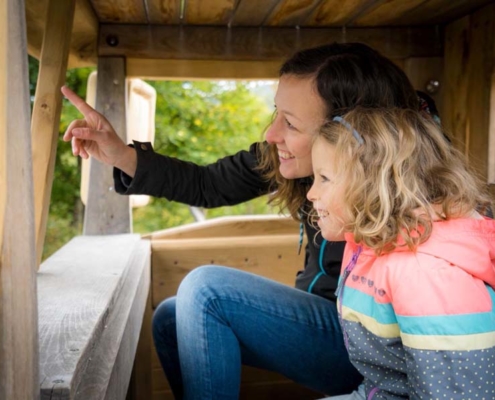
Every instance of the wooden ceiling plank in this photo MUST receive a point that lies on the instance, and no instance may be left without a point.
(250, 44)
(291, 12)
(385, 13)
(430, 12)
(335, 13)
(209, 12)
(120, 11)
(253, 12)
(163, 11)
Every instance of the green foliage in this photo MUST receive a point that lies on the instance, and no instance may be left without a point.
(195, 121)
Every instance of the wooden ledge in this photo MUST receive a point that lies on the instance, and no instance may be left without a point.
(91, 300)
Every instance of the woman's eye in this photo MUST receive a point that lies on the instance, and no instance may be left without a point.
(289, 125)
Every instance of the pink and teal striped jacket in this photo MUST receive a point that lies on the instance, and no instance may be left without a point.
(422, 325)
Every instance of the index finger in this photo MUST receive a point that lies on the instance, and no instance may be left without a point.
(83, 107)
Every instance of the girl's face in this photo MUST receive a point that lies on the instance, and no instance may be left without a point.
(300, 113)
(327, 192)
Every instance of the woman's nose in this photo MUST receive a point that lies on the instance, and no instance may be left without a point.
(274, 133)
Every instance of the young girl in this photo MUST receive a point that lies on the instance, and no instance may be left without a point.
(416, 293)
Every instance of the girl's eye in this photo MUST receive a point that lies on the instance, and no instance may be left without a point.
(324, 178)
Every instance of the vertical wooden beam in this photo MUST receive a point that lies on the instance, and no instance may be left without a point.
(106, 211)
(47, 108)
(19, 377)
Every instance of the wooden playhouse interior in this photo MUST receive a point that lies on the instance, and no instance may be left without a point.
(78, 326)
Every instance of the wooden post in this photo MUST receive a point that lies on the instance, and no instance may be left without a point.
(106, 211)
(47, 108)
(19, 377)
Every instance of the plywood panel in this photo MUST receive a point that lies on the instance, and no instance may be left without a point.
(19, 376)
(123, 11)
(164, 11)
(47, 108)
(387, 12)
(208, 12)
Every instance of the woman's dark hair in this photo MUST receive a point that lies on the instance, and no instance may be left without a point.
(346, 75)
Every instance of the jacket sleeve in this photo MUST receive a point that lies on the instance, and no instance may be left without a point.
(231, 180)
(446, 320)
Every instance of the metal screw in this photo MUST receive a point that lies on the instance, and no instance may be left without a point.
(112, 40)
(432, 86)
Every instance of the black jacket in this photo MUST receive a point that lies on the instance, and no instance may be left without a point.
(229, 181)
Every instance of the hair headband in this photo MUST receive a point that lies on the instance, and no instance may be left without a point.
(355, 133)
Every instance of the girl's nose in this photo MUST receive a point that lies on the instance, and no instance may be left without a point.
(311, 196)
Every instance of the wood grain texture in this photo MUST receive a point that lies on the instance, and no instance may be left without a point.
(84, 33)
(239, 225)
(140, 387)
(291, 12)
(154, 69)
(121, 11)
(469, 62)
(18, 311)
(252, 12)
(272, 256)
(421, 70)
(164, 11)
(92, 294)
(47, 107)
(208, 12)
(252, 44)
(106, 211)
(335, 13)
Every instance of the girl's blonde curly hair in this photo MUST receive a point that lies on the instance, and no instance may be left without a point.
(404, 175)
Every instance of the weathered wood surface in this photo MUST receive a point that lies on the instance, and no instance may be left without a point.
(254, 44)
(45, 122)
(18, 312)
(92, 296)
(106, 211)
(469, 63)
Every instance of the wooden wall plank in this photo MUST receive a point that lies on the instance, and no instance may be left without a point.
(420, 70)
(122, 11)
(252, 44)
(272, 256)
(164, 11)
(106, 211)
(209, 12)
(469, 62)
(140, 387)
(19, 377)
(46, 110)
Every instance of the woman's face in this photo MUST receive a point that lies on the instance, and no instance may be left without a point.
(300, 113)
(327, 192)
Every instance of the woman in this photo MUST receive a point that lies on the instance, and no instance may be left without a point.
(221, 317)
(416, 294)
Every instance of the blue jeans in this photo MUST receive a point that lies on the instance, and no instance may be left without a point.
(223, 317)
